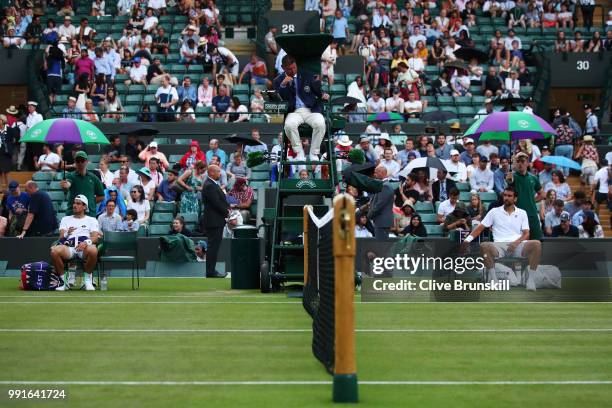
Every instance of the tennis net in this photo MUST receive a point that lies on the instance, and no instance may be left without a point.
(319, 287)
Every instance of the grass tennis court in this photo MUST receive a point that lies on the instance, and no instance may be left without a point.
(194, 342)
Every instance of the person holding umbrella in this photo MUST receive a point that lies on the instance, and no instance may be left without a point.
(529, 191)
(84, 183)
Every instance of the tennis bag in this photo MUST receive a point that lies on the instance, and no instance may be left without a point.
(39, 276)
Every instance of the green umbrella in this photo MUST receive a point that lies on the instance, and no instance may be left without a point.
(508, 126)
(65, 130)
(385, 117)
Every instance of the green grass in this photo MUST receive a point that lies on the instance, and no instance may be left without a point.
(198, 355)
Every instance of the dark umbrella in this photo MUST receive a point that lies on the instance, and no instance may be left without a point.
(244, 140)
(438, 116)
(507, 99)
(457, 65)
(467, 53)
(139, 130)
(345, 99)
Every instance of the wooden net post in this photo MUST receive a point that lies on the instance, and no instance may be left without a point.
(345, 367)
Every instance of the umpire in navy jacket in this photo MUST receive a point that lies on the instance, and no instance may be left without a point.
(304, 94)
(381, 206)
(216, 210)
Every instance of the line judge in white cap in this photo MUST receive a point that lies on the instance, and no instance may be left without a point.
(78, 236)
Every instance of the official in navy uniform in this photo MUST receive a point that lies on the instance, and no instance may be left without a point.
(304, 94)
(381, 206)
(216, 210)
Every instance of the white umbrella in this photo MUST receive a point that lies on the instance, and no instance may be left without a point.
(433, 163)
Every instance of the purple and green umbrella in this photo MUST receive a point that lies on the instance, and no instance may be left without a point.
(507, 126)
(385, 117)
(64, 130)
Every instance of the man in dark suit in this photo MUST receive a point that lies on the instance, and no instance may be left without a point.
(216, 210)
(303, 92)
(442, 186)
(381, 206)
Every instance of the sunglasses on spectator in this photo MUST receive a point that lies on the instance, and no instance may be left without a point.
(134, 191)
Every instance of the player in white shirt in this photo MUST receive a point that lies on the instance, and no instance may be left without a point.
(510, 227)
(78, 236)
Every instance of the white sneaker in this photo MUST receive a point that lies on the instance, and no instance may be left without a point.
(300, 156)
(63, 288)
(89, 286)
(71, 279)
(530, 284)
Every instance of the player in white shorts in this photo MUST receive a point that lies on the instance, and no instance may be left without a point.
(78, 237)
(510, 227)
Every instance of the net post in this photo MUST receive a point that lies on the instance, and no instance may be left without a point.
(305, 216)
(345, 367)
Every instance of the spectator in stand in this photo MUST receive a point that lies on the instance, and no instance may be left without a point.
(558, 184)
(475, 209)
(90, 114)
(579, 204)
(443, 150)
(243, 193)
(590, 228)
(152, 151)
(84, 65)
(442, 186)
(189, 52)
(110, 221)
(553, 217)
(206, 93)
(194, 155)
(214, 150)
(48, 161)
(255, 72)
(590, 159)
(166, 98)
(499, 176)
(71, 111)
(402, 155)
(139, 203)
(447, 206)
(165, 191)
(67, 29)
(156, 175)
(414, 107)
(221, 102)
(138, 73)
(370, 153)
(158, 6)
(114, 151)
(375, 103)
(239, 111)
(237, 168)
(106, 176)
(133, 147)
(595, 44)
(328, 61)
(493, 84)
(124, 181)
(40, 219)
(178, 227)
(564, 228)
(187, 92)
(547, 204)
(481, 179)
(486, 148)
(591, 126)
(456, 167)
(392, 166)
(155, 72)
(223, 57)
(512, 84)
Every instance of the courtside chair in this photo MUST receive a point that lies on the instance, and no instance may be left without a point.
(119, 241)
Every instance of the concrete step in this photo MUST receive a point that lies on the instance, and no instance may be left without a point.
(278, 5)
(240, 46)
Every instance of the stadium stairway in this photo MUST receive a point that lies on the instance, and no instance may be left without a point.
(278, 5)
(604, 213)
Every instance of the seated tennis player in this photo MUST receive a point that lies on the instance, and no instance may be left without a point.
(510, 228)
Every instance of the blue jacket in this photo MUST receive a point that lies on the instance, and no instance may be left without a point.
(310, 91)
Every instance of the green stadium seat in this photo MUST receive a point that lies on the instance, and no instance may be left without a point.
(465, 196)
(156, 230)
(175, 158)
(241, 89)
(133, 100)
(463, 186)
(445, 101)
(429, 218)
(149, 100)
(164, 207)
(486, 196)
(54, 186)
(43, 176)
(161, 140)
(190, 218)
(423, 207)
(463, 100)
(136, 89)
(338, 90)
(466, 111)
(350, 78)
(182, 141)
(61, 100)
(339, 79)
(206, 119)
(57, 196)
(434, 230)
(259, 184)
(162, 218)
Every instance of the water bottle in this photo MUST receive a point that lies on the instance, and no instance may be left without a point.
(104, 284)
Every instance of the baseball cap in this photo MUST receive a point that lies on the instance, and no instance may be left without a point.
(82, 199)
(468, 140)
(454, 152)
(136, 59)
(488, 100)
(202, 244)
(484, 158)
(521, 154)
(13, 185)
(81, 154)
(153, 144)
(587, 106)
(32, 103)
(564, 216)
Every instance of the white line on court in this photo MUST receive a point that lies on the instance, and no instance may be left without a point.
(61, 298)
(272, 382)
(202, 302)
(213, 330)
